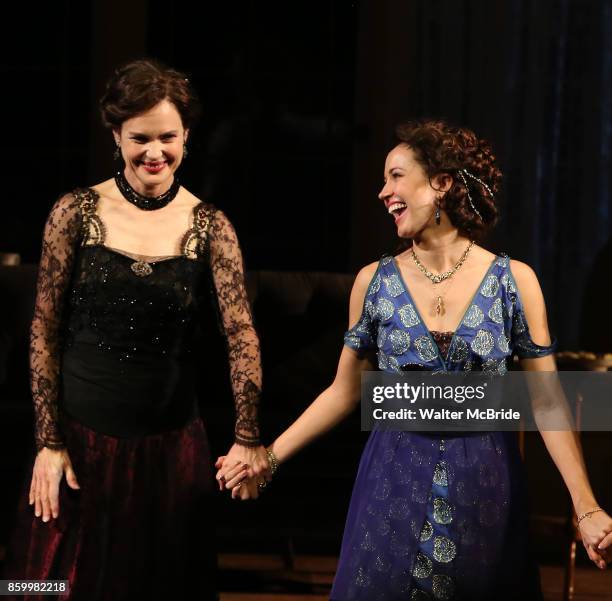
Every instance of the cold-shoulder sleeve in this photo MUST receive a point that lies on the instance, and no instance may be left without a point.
(242, 341)
(61, 235)
(362, 336)
(522, 342)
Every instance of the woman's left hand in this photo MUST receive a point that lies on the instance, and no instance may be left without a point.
(258, 469)
(596, 532)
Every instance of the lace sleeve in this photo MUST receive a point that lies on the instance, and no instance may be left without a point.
(61, 233)
(243, 343)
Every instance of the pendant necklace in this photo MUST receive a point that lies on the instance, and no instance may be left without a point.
(436, 279)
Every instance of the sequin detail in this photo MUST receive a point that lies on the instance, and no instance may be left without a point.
(483, 343)
(419, 595)
(507, 282)
(443, 587)
(503, 344)
(502, 260)
(494, 366)
(495, 312)
(384, 309)
(473, 317)
(369, 309)
(394, 364)
(443, 511)
(426, 532)
(490, 286)
(425, 348)
(440, 475)
(445, 549)
(400, 341)
(375, 285)
(393, 285)
(362, 580)
(408, 315)
(423, 566)
(519, 324)
(459, 350)
(382, 337)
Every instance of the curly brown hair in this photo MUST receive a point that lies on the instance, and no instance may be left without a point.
(139, 85)
(443, 148)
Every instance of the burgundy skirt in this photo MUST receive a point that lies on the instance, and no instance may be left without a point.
(140, 527)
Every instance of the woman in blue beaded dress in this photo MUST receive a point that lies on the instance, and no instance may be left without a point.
(133, 274)
(432, 517)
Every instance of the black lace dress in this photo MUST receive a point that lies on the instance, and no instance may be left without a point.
(113, 376)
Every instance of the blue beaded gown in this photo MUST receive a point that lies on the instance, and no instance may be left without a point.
(432, 517)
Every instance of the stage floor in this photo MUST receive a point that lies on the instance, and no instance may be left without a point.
(314, 574)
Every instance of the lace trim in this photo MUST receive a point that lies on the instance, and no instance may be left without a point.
(193, 244)
(61, 236)
(242, 341)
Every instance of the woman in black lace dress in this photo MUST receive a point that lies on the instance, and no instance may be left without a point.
(130, 269)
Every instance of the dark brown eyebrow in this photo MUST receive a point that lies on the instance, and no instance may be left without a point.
(166, 133)
(392, 168)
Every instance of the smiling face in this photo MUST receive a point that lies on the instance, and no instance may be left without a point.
(152, 148)
(408, 194)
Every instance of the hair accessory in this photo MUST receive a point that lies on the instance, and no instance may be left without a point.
(462, 173)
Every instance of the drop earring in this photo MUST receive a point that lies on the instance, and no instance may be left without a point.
(438, 212)
(117, 153)
(185, 151)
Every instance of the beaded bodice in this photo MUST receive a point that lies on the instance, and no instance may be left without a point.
(137, 309)
(134, 305)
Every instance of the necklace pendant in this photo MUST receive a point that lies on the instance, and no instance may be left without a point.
(440, 310)
(141, 268)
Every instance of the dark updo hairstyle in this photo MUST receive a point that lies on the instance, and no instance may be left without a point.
(140, 85)
(442, 148)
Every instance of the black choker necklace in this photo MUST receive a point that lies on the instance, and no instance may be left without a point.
(146, 203)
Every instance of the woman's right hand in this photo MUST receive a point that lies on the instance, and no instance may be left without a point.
(49, 468)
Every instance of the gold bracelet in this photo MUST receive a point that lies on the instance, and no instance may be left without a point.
(272, 460)
(588, 514)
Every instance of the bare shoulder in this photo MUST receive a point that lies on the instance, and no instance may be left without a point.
(482, 255)
(104, 188)
(525, 277)
(191, 199)
(365, 275)
(358, 293)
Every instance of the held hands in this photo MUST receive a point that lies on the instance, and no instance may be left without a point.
(596, 532)
(244, 471)
(49, 467)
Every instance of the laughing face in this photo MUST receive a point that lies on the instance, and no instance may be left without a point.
(152, 148)
(408, 195)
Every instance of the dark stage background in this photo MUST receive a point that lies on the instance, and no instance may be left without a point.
(300, 101)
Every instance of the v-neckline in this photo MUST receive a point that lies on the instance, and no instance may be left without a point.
(421, 320)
